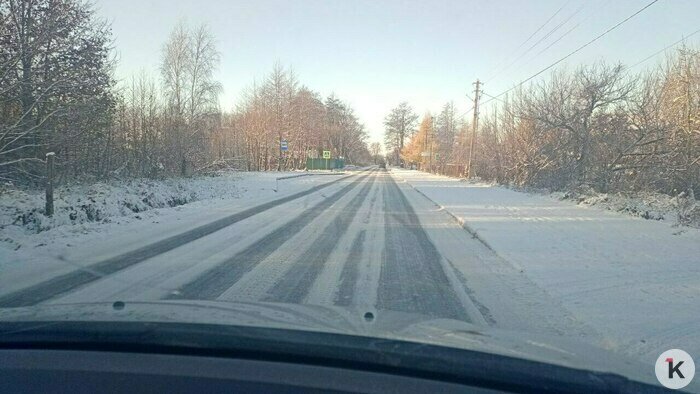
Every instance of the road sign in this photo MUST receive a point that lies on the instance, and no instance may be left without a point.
(283, 145)
(326, 154)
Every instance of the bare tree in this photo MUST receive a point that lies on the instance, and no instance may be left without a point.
(375, 150)
(565, 108)
(400, 125)
(189, 61)
(55, 86)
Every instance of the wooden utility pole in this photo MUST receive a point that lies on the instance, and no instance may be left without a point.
(475, 125)
(49, 183)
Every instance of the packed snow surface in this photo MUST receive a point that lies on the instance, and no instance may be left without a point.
(400, 241)
(636, 281)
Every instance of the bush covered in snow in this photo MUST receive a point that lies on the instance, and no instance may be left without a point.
(682, 209)
(103, 201)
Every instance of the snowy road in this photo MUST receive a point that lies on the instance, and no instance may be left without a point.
(367, 241)
(391, 240)
(356, 241)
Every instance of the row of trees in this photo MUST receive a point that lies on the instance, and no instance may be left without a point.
(56, 87)
(282, 109)
(598, 126)
(58, 94)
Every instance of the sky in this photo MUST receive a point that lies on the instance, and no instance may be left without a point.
(376, 54)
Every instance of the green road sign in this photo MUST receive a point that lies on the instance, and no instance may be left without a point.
(326, 154)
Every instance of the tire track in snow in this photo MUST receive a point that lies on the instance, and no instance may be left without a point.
(351, 271)
(347, 251)
(159, 276)
(212, 283)
(369, 265)
(412, 278)
(294, 286)
(255, 284)
(67, 282)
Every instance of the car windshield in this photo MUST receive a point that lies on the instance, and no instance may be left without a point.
(525, 170)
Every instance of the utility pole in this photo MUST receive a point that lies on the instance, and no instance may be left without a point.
(432, 127)
(475, 125)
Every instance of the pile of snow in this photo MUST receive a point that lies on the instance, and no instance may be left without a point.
(681, 209)
(104, 201)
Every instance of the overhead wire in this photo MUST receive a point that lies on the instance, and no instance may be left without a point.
(667, 47)
(573, 52)
(586, 17)
(663, 50)
(547, 35)
(534, 33)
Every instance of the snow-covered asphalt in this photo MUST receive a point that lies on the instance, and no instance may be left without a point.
(379, 240)
(356, 241)
(366, 241)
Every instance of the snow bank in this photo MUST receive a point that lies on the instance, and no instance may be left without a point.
(635, 280)
(102, 202)
(76, 204)
(79, 207)
(681, 209)
(28, 257)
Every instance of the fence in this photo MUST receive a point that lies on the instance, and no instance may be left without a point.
(324, 164)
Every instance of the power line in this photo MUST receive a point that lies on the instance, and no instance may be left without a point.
(493, 97)
(467, 111)
(667, 47)
(543, 25)
(664, 49)
(574, 52)
(594, 10)
(552, 31)
(558, 39)
(534, 33)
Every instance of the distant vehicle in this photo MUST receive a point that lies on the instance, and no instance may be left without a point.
(382, 164)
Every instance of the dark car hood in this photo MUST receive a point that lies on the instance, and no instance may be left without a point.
(349, 321)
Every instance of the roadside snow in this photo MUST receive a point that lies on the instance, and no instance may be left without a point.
(118, 216)
(637, 281)
(680, 209)
(103, 202)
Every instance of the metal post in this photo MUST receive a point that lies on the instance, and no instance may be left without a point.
(49, 183)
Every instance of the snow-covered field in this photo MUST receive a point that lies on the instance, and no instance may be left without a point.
(636, 281)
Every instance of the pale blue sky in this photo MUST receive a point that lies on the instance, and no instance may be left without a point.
(375, 54)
